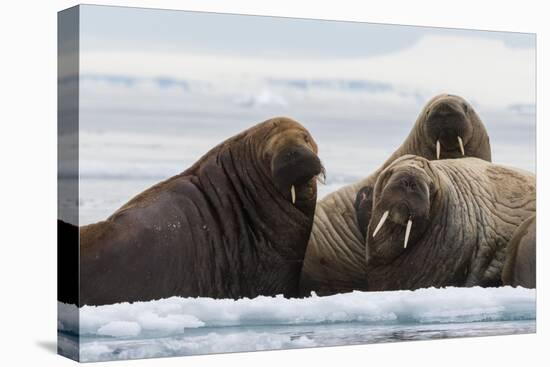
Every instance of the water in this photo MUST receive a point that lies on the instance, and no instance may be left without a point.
(188, 326)
(245, 339)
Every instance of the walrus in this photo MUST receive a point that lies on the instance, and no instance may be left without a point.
(447, 127)
(233, 225)
(520, 267)
(443, 223)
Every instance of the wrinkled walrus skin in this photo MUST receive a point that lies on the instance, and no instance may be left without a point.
(520, 267)
(335, 257)
(444, 223)
(235, 224)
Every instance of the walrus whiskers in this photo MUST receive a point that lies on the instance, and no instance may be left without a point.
(437, 149)
(382, 220)
(322, 176)
(408, 232)
(461, 145)
(293, 194)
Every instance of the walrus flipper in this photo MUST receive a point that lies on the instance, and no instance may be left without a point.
(520, 268)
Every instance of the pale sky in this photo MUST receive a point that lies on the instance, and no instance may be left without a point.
(495, 69)
(119, 28)
(169, 85)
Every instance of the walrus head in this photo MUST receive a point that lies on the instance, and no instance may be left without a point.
(401, 207)
(291, 155)
(448, 125)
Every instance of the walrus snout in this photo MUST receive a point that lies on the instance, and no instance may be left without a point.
(407, 196)
(294, 167)
(448, 127)
(393, 231)
(400, 214)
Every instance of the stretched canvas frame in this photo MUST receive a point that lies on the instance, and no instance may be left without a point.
(136, 109)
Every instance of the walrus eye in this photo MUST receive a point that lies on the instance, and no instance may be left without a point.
(306, 138)
(465, 107)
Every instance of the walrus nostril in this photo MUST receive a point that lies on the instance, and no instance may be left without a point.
(446, 108)
(293, 166)
(408, 184)
(291, 154)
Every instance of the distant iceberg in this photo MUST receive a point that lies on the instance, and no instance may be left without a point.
(264, 97)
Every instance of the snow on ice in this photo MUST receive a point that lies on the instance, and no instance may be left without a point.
(425, 306)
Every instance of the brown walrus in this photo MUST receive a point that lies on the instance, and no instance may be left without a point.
(443, 223)
(447, 127)
(235, 224)
(520, 267)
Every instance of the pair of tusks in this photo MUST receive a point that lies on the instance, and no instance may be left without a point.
(383, 219)
(293, 194)
(438, 147)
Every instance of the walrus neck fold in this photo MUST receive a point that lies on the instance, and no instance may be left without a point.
(273, 217)
(416, 268)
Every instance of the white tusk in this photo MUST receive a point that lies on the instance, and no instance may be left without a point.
(293, 194)
(461, 145)
(437, 149)
(382, 220)
(408, 232)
